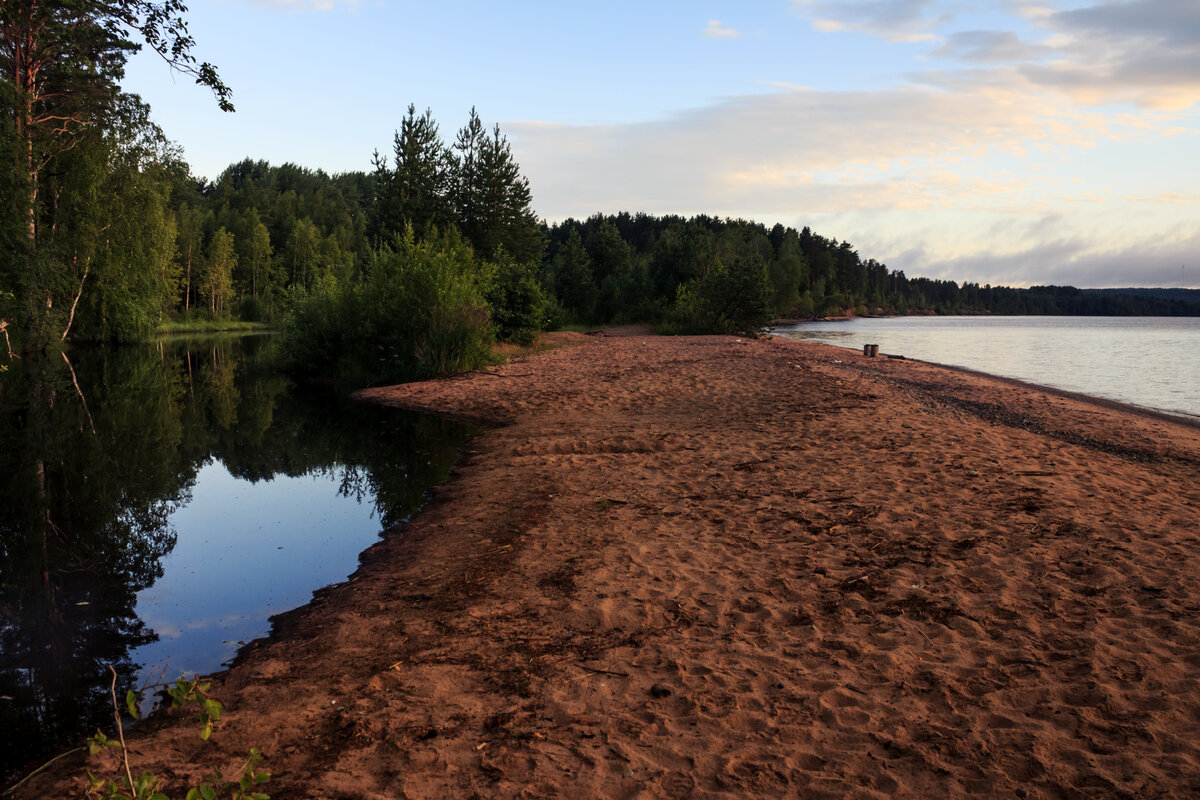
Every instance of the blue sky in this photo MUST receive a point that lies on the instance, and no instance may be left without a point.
(999, 141)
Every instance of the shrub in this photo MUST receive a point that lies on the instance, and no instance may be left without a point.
(733, 300)
(518, 303)
(417, 312)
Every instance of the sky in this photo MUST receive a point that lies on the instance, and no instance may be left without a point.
(1012, 142)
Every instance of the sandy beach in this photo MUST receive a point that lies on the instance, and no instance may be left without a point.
(713, 567)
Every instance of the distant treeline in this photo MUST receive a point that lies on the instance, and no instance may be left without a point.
(1069, 301)
(634, 267)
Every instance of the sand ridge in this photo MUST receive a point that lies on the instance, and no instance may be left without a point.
(721, 567)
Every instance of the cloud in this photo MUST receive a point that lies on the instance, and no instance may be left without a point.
(1138, 52)
(715, 30)
(1072, 259)
(1101, 247)
(798, 151)
(989, 47)
(894, 20)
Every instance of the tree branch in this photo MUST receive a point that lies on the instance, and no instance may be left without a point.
(87, 265)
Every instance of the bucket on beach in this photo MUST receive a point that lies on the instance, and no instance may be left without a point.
(870, 350)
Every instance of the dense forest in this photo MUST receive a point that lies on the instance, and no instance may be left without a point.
(416, 264)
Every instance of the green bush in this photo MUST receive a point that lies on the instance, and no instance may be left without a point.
(417, 312)
(518, 303)
(733, 300)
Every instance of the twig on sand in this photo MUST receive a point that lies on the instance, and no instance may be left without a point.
(594, 671)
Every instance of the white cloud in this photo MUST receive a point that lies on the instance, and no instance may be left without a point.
(797, 151)
(894, 20)
(1138, 52)
(715, 30)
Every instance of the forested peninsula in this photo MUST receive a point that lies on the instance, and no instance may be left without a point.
(412, 268)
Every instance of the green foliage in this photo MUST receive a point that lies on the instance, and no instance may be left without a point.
(145, 786)
(416, 191)
(216, 280)
(419, 311)
(475, 186)
(190, 691)
(638, 268)
(733, 300)
(516, 300)
(571, 279)
(79, 166)
(216, 786)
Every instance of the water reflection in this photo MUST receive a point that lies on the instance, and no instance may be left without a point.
(99, 460)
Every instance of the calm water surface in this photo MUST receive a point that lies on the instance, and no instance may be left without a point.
(1152, 362)
(154, 518)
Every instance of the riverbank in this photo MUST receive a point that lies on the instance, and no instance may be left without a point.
(717, 567)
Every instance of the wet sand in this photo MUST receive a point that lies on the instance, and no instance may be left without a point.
(717, 567)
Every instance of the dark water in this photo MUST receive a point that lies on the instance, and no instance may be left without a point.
(157, 504)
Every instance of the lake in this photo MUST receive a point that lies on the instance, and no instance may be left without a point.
(1153, 362)
(159, 503)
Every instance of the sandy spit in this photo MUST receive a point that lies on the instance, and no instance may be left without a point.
(714, 567)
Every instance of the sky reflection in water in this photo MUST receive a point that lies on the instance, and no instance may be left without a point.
(1146, 361)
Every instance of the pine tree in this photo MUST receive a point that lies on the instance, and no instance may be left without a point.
(416, 191)
(572, 280)
(466, 193)
(503, 214)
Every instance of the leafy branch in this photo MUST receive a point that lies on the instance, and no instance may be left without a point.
(146, 785)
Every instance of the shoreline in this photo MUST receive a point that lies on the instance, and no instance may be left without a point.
(719, 567)
(1162, 415)
(1132, 405)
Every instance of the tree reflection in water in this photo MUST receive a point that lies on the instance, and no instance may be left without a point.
(97, 452)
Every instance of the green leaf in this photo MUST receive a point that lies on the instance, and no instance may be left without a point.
(131, 704)
(210, 712)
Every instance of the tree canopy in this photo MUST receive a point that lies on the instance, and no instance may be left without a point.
(75, 141)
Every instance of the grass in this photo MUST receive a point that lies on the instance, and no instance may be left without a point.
(547, 340)
(209, 326)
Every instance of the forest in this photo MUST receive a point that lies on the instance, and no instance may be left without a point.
(413, 266)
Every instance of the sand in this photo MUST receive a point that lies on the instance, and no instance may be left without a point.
(718, 567)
